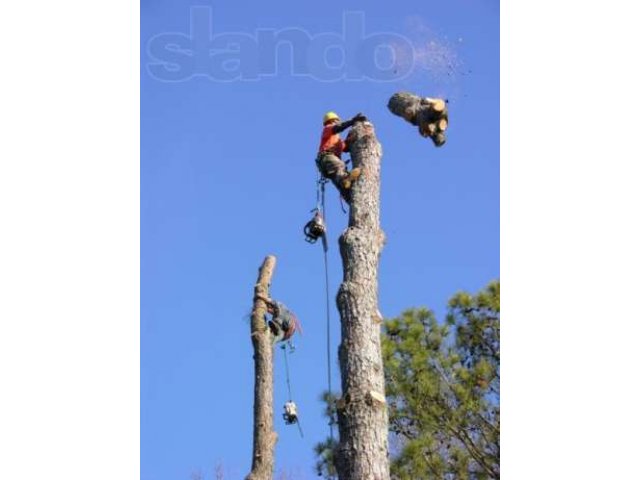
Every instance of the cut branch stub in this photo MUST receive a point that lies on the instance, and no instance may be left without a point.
(436, 104)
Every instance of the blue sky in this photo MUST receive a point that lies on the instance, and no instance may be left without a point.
(227, 177)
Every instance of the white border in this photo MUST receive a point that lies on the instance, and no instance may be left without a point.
(570, 241)
(69, 247)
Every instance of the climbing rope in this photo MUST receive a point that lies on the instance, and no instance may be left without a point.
(322, 183)
(313, 230)
(286, 367)
(320, 191)
(326, 281)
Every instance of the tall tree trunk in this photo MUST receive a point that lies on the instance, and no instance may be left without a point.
(362, 410)
(264, 438)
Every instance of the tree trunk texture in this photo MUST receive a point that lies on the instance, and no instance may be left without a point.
(430, 115)
(264, 437)
(362, 411)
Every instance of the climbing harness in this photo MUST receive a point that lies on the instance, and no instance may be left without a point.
(322, 180)
(290, 414)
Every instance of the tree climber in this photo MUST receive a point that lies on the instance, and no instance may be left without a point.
(283, 323)
(329, 160)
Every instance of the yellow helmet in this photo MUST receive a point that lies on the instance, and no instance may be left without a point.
(330, 116)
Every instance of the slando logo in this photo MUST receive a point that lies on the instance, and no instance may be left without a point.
(351, 55)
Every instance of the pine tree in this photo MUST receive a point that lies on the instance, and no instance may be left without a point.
(443, 389)
(443, 384)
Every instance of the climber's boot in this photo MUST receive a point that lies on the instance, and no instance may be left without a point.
(350, 178)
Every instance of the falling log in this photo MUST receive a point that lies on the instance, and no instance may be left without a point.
(436, 104)
(411, 107)
(405, 105)
(427, 129)
(430, 115)
(439, 139)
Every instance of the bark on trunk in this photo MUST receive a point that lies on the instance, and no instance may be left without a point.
(430, 115)
(264, 437)
(362, 411)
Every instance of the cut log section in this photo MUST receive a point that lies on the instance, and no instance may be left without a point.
(437, 104)
(430, 115)
(439, 139)
(428, 129)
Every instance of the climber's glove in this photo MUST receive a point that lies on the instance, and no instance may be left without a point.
(359, 118)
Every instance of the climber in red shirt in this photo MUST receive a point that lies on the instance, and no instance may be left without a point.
(329, 159)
